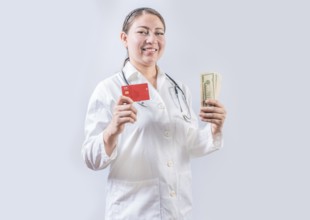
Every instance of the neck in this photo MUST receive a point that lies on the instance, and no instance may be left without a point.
(150, 73)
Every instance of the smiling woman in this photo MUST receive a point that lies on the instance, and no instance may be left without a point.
(148, 146)
(144, 37)
(145, 42)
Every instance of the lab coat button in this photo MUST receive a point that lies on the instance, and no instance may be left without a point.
(172, 194)
(167, 134)
(170, 163)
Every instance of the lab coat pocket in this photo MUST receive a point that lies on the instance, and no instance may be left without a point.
(185, 197)
(133, 200)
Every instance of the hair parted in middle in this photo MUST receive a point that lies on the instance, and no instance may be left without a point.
(137, 13)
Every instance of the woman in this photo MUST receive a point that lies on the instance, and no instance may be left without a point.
(148, 145)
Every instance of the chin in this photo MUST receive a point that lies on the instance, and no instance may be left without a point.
(150, 61)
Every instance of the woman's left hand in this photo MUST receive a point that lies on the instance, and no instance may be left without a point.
(213, 113)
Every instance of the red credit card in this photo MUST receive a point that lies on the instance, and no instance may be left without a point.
(137, 92)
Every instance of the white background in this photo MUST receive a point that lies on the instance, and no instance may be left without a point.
(53, 54)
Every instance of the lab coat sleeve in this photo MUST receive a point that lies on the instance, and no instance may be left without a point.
(201, 141)
(98, 117)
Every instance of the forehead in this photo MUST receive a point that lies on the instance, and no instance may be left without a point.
(148, 20)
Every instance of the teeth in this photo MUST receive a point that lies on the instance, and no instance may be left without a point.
(149, 49)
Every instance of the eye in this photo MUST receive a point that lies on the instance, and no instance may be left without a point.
(160, 33)
(143, 32)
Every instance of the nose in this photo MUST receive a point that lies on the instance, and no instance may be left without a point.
(151, 37)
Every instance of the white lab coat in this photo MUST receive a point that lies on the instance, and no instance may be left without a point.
(150, 175)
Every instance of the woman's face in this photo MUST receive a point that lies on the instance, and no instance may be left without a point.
(145, 40)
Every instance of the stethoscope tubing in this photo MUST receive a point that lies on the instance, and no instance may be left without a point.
(176, 88)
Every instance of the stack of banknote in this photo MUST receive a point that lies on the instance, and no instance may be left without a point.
(210, 86)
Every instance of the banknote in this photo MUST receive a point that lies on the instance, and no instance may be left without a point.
(210, 86)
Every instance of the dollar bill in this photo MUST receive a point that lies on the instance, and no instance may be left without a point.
(210, 86)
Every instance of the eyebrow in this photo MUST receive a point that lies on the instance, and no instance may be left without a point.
(149, 28)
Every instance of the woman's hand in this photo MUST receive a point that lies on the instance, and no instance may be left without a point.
(124, 112)
(214, 113)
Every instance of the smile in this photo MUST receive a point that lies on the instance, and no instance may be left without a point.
(150, 49)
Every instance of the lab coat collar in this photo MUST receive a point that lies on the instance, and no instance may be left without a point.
(132, 74)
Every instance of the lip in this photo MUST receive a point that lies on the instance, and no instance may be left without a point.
(150, 49)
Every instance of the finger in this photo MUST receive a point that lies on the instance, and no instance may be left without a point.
(124, 100)
(120, 121)
(131, 115)
(213, 121)
(214, 102)
(125, 113)
(125, 107)
(212, 109)
(129, 118)
(212, 116)
(124, 120)
(126, 103)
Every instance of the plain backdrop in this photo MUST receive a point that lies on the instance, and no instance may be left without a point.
(54, 53)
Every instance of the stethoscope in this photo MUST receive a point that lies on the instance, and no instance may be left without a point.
(187, 116)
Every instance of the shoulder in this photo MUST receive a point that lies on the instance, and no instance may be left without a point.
(108, 90)
(110, 83)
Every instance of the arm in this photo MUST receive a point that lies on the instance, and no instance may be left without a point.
(124, 112)
(209, 138)
(102, 128)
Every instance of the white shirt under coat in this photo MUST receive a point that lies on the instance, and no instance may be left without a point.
(150, 174)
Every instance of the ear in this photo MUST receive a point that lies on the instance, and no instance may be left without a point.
(124, 38)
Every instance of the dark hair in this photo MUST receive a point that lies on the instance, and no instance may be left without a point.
(137, 13)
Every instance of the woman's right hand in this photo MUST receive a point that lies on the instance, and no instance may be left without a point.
(124, 112)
